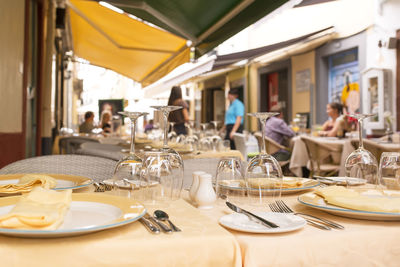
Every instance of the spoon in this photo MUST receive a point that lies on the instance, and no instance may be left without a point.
(163, 216)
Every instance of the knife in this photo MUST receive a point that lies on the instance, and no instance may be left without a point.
(258, 218)
(149, 225)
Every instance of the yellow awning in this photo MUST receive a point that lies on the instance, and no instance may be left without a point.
(118, 42)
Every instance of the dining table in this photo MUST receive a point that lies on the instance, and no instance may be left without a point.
(205, 242)
(299, 157)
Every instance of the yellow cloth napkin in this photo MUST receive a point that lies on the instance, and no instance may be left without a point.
(274, 183)
(41, 209)
(351, 199)
(27, 182)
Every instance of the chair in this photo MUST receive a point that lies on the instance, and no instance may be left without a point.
(101, 150)
(322, 159)
(271, 146)
(70, 144)
(240, 144)
(375, 148)
(97, 168)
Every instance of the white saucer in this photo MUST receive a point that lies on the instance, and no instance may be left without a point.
(240, 222)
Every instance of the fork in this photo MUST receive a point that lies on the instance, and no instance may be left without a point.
(286, 209)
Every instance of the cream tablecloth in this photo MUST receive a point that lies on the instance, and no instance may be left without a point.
(201, 243)
(362, 243)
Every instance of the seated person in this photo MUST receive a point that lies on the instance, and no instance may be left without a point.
(105, 122)
(149, 126)
(336, 125)
(87, 126)
(277, 129)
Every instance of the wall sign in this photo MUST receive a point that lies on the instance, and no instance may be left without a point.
(303, 80)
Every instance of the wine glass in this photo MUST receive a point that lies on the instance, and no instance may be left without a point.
(172, 134)
(229, 181)
(127, 170)
(161, 177)
(203, 128)
(389, 170)
(215, 123)
(263, 172)
(165, 110)
(361, 163)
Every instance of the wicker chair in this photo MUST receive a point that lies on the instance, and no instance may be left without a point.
(271, 146)
(320, 155)
(101, 150)
(98, 169)
(375, 148)
(70, 144)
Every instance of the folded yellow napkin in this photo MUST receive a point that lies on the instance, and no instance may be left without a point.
(41, 209)
(27, 182)
(273, 183)
(352, 199)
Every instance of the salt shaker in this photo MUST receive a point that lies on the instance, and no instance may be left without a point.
(205, 196)
(195, 184)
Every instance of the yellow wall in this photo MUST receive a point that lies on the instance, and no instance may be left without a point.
(252, 96)
(12, 17)
(301, 100)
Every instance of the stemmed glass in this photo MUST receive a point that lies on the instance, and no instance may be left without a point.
(361, 163)
(172, 134)
(203, 128)
(263, 172)
(127, 170)
(165, 111)
(215, 123)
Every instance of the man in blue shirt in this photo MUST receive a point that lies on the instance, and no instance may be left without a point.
(234, 116)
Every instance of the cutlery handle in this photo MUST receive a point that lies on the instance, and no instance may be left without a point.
(318, 225)
(149, 225)
(265, 222)
(163, 227)
(174, 228)
(325, 221)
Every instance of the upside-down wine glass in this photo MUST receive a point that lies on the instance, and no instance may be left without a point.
(127, 170)
(165, 110)
(263, 172)
(361, 163)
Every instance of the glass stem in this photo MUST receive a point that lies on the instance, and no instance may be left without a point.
(165, 114)
(133, 133)
(263, 123)
(360, 145)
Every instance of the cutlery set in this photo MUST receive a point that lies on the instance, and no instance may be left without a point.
(281, 207)
(155, 224)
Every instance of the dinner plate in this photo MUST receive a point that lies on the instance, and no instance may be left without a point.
(88, 212)
(240, 222)
(307, 184)
(64, 181)
(314, 201)
(341, 180)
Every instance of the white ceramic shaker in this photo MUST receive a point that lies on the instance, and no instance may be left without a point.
(195, 185)
(205, 196)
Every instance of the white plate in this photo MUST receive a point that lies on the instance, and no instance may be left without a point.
(307, 184)
(342, 180)
(314, 201)
(88, 213)
(64, 181)
(240, 222)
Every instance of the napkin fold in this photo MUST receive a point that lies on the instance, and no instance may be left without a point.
(27, 182)
(273, 183)
(352, 199)
(41, 209)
